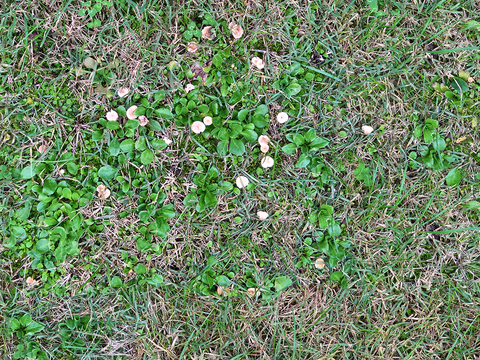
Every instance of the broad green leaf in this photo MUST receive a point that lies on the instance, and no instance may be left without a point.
(261, 110)
(222, 147)
(222, 280)
(453, 177)
(127, 145)
(210, 199)
(282, 283)
(25, 320)
(33, 328)
(336, 276)
(303, 161)
(42, 246)
(49, 186)
(146, 157)
(164, 113)
(242, 114)
(143, 244)
(217, 60)
(289, 149)
(237, 147)
(373, 5)
(113, 125)
(28, 172)
(116, 282)
(107, 172)
(472, 205)
(140, 269)
(155, 280)
(318, 143)
(114, 147)
(155, 125)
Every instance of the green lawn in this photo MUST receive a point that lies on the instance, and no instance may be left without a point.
(126, 231)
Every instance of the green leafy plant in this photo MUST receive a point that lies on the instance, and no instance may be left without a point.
(25, 326)
(92, 8)
(309, 144)
(208, 188)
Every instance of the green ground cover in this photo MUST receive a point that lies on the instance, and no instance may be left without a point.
(142, 143)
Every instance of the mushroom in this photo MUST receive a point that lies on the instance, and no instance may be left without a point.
(123, 91)
(236, 30)
(253, 292)
(167, 140)
(42, 148)
(189, 87)
(192, 47)
(262, 215)
(471, 79)
(258, 62)
(282, 117)
(207, 120)
(319, 263)
(30, 280)
(103, 192)
(242, 182)
(198, 127)
(264, 148)
(267, 162)
(220, 290)
(367, 129)
(262, 139)
(143, 120)
(112, 115)
(131, 112)
(207, 33)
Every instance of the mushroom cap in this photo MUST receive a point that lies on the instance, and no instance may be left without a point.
(252, 292)
(143, 120)
(105, 194)
(263, 139)
(167, 140)
(30, 280)
(264, 148)
(198, 127)
(262, 215)
(101, 188)
(282, 117)
(267, 162)
(207, 120)
(131, 112)
(192, 47)
(112, 115)
(319, 263)
(471, 79)
(237, 30)
(258, 62)
(242, 182)
(189, 87)
(123, 91)
(367, 129)
(42, 148)
(207, 33)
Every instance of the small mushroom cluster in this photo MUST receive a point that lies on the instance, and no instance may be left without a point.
(200, 126)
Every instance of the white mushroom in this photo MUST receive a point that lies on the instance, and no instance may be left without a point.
(258, 63)
(123, 91)
(282, 117)
(131, 112)
(367, 129)
(267, 162)
(143, 120)
(242, 182)
(262, 215)
(207, 120)
(111, 115)
(198, 127)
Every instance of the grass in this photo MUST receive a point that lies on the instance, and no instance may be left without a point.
(407, 285)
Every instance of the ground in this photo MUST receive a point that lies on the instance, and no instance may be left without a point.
(169, 260)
